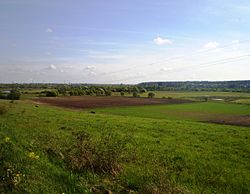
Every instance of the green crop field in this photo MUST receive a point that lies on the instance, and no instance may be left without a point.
(243, 101)
(189, 111)
(191, 94)
(195, 94)
(51, 150)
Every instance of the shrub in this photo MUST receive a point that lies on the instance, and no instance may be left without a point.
(143, 90)
(151, 95)
(51, 93)
(14, 95)
(108, 93)
(122, 93)
(101, 156)
(135, 94)
(3, 110)
(2, 96)
(12, 175)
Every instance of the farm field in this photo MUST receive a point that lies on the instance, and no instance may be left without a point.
(216, 112)
(124, 97)
(237, 97)
(91, 102)
(151, 149)
(243, 101)
(196, 95)
(201, 111)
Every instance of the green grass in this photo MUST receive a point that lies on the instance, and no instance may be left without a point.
(28, 96)
(191, 95)
(194, 95)
(162, 155)
(242, 101)
(189, 111)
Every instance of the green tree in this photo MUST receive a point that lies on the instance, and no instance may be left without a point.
(51, 93)
(14, 95)
(135, 89)
(151, 95)
(108, 93)
(136, 94)
(143, 90)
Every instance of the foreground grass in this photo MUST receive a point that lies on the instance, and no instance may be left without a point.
(161, 155)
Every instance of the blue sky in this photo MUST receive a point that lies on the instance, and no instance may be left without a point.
(117, 41)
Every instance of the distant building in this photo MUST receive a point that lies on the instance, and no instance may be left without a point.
(5, 91)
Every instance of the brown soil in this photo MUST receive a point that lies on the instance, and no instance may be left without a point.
(233, 120)
(94, 102)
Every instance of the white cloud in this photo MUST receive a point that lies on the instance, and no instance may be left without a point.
(235, 41)
(49, 30)
(162, 41)
(52, 66)
(90, 68)
(211, 45)
(166, 69)
(68, 67)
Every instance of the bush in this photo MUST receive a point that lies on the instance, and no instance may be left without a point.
(108, 93)
(135, 94)
(12, 174)
(14, 95)
(51, 93)
(3, 110)
(101, 156)
(151, 95)
(143, 90)
(122, 93)
(2, 96)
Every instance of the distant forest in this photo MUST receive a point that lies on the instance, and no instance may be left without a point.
(222, 86)
(226, 86)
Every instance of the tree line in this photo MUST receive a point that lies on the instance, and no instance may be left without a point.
(14, 91)
(223, 86)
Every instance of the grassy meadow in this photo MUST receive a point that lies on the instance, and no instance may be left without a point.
(196, 95)
(146, 149)
(199, 111)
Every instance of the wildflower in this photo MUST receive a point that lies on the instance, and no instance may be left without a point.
(9, 172)
(7, 139)
(17, 179)
(33, 156)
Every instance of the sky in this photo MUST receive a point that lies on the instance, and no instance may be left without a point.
(117, 41)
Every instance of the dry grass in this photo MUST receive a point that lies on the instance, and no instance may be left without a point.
(101, 156)
(3, 109)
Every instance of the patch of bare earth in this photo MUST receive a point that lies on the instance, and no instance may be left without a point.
(233, 120)
(82, 102)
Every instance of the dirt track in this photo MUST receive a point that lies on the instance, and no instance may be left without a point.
(94, 102)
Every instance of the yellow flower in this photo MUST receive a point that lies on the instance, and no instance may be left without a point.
(7, 139)
(33, 156)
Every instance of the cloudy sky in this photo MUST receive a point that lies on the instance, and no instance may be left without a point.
(118, 41)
